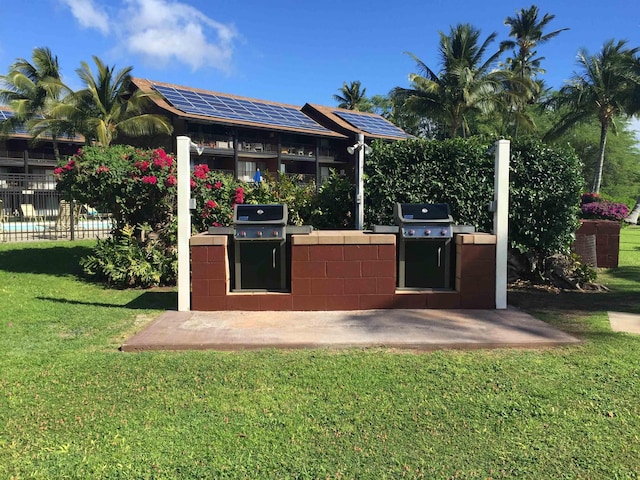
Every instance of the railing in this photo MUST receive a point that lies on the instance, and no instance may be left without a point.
(31, 209)
(32, 155)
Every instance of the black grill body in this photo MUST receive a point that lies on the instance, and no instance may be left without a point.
(260, 253)
(424, 245)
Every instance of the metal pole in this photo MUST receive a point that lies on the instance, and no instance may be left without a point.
(501, 219)
(360, 184)
(184, 223)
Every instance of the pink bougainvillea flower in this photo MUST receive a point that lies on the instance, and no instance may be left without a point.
(102, 169)
(143, 165)
(218, 184)
(58, 171)
(171, 180)
(150, 179)
(208, 185)
(211, 204)
(193, 183)
(200, 171)
(216, 224)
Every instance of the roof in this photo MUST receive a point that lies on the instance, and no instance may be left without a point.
(226, 109)
(351, 122)
(20, 132)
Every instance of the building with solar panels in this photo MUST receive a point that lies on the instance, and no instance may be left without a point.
(19, 154)
(234, 134)
(242, 135)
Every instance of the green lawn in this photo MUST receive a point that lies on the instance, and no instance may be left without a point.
(73, 406)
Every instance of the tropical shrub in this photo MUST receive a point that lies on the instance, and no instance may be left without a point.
(457, 171)
(333, 205)
(545, 186)
(215, 194)
(289, 189)
(594, 206)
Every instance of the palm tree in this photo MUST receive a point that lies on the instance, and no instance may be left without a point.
(607, 86)
(528, 31)
(30, 89)
(107, 107)
(352, 97)
(464, 85)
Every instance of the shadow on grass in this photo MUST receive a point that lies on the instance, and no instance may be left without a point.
(156, 300)
(58, 260)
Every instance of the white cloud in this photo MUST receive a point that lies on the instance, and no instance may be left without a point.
(165, 31)
(88, 14)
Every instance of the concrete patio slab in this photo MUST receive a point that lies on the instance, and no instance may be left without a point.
(624, 322)
(407, 329)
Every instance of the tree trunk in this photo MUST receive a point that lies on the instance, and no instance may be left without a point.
(597, 180)
(634, 214)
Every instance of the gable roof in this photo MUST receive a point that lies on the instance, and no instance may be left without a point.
(350, 122)
(232, 110)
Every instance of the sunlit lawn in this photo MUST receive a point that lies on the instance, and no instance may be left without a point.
(73, 406)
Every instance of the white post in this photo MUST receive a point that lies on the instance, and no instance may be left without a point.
(501, 219)
(184, 223)
(360, 184)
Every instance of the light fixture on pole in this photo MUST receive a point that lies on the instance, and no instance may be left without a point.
(362, 149)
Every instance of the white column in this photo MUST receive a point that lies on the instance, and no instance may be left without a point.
(360, 184)
(501, 219)
(184, 223)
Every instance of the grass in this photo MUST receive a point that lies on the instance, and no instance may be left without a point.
(73, 406)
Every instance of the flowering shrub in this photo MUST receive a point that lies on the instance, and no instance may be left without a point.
(593, 206)
(604, 210)
(138, 187)
(215, 194)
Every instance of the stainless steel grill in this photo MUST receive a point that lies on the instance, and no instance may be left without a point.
(260, 255)
(260, 251)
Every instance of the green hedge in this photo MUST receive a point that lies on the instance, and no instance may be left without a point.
(545, 186)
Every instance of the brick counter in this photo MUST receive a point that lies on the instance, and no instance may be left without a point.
(343, 270)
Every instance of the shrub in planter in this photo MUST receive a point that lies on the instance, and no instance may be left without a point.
(594, 207)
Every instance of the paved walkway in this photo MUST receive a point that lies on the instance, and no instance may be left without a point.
(624, 322)
(411, 329)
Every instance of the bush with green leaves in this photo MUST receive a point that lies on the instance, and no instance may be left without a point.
(458, 172)
(544, 199)
(125, 261)
(333, 205)
(545, 187)
(288, 189)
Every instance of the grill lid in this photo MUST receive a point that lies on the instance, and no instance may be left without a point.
(405, 213)
(271, 214)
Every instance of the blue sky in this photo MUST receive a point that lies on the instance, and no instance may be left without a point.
(289, 51)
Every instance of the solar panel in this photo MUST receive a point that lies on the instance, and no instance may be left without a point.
(372, 124)
(6, 115)
(218, 106)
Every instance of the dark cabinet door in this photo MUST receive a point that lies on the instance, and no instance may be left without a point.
(261, 265)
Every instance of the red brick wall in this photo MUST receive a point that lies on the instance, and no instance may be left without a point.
(607, 234)
(346, 277)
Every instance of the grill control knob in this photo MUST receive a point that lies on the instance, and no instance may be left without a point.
(275, 233)
(412, 232)
(259, 233)
(243, 234)
(443, 231)
(427, 233)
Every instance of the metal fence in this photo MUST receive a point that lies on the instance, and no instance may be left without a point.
(32, 209)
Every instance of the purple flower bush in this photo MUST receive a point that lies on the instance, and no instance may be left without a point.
(594, 207)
